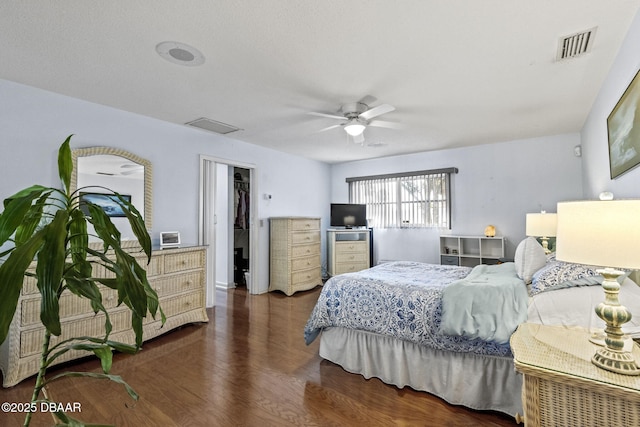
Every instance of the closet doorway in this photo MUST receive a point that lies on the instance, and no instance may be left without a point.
(241, 198)
(227, 193)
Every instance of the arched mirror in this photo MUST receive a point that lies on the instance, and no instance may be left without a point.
(120, 171)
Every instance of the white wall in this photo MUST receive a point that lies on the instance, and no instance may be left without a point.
(595, 143)
(497, 184)
(33, 124)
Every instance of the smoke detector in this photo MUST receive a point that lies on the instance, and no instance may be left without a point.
(180, 53)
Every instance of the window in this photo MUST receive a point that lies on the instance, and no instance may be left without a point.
(412, 199)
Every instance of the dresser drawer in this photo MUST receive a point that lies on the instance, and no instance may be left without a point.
(31, 340)
(305, 250)
(305, 263)
(175, 305)
(346, 247)
(304, 224)
(350, 267)
(183, 261)
(302, 238)
(353, 257)
(448, 260)
(305, 276)
(70, 306)
(178, 284)
(154, 267)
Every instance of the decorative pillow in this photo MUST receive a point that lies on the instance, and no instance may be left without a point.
(529, 258)
(559, 274)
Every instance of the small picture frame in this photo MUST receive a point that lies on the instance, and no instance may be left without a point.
(169, 239)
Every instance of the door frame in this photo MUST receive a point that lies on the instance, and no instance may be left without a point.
(206, 218)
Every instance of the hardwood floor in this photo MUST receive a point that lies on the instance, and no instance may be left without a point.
(248, 366)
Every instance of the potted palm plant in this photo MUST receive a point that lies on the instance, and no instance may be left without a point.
(44, 234)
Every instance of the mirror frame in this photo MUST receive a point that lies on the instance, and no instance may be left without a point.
(148, 174)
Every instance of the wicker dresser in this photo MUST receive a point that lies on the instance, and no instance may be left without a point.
(561, 385)
(347, 250)
(294, 254)
(178, 275)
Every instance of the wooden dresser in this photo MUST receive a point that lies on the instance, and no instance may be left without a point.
(348, 250)
(177, 275)
(561, 385)
(294, 254)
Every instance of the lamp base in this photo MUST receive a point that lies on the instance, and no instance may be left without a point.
(616, 361)
(545, 245)
(612, 357)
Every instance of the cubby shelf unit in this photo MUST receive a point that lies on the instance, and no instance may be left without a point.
(470, 251)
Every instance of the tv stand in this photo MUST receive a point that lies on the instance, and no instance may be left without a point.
(349, 250)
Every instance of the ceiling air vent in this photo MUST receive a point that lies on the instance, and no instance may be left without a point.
(575, 45)
(212, 126)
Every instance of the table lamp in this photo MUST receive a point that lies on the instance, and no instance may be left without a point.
(542, 225)
(604, 233)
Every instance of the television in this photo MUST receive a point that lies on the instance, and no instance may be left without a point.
(348, 215)
(109, 203)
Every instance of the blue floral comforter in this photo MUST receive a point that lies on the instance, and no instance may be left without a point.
(402, 299)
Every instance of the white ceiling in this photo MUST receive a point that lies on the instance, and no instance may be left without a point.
(459, 72)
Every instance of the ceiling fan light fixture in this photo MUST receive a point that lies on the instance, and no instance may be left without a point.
(354, 128)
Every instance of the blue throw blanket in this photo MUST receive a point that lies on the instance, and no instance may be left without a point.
(488, 304)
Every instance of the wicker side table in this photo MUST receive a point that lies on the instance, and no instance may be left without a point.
(561, 385)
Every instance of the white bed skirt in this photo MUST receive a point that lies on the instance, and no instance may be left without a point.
(475, 381)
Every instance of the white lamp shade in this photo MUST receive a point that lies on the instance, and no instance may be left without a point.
(541, 224)
(601, 233)
(354, 129)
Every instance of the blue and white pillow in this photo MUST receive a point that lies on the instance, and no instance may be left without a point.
(559, 274)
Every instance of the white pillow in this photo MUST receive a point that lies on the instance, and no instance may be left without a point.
(529, 258)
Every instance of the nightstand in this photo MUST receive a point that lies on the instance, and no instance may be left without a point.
(561, 385)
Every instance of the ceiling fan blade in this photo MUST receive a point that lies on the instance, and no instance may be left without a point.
(385, 124)
(331, 116)
(376, 111)
(330, 127)
(368, 100)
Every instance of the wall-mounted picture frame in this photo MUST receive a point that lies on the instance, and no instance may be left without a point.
(623, 128)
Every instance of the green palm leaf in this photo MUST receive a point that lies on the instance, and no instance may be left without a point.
(47, 224)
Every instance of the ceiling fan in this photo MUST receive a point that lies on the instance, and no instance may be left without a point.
(358, 115)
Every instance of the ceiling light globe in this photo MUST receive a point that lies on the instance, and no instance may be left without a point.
(354, 129)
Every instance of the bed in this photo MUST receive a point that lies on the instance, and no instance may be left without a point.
(445, 329)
